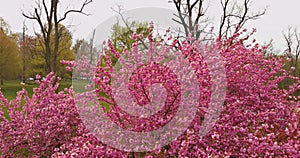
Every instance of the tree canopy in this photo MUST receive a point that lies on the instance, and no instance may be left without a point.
(9, 55)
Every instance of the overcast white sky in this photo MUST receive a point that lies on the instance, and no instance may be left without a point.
(281, 14)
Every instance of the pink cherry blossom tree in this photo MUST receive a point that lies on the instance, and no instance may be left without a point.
(255, 119)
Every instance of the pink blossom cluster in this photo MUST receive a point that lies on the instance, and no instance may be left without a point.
(256, 119)
(36, 126)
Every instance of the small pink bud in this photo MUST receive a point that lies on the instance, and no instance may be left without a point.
(37, 77)
(168, 30)
(293, 68)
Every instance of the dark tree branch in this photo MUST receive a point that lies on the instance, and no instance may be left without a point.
(76, 11)
(46, 15)
(292, 39)
(235, 17)
(119, 12)
(180, 15)
(223, 17)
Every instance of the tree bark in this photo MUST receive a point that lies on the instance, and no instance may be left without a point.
(47, 18)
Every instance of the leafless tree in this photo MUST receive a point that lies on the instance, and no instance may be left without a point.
(270, 49)
(92, 45)
(23, 53)
(235, 16)
(46, 14)
(292, 39)
(119, 10)
(192, 16)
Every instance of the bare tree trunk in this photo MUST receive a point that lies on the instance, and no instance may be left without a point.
(1, 79)
(57, 35)
(23, 51)
(92, 45)
(46, 16)
(48, 59)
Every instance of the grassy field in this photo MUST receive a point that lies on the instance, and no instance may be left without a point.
(10, 88)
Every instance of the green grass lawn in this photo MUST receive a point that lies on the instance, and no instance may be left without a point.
(10, 88)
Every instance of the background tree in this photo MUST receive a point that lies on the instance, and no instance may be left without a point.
(46, 14)
(27, 46)
(9, 54)
(121, 35)
(86, 48)
(64, 51)
(292, 40)
(4, 26)
(81, 47)
(192, 15)
(235, 15)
